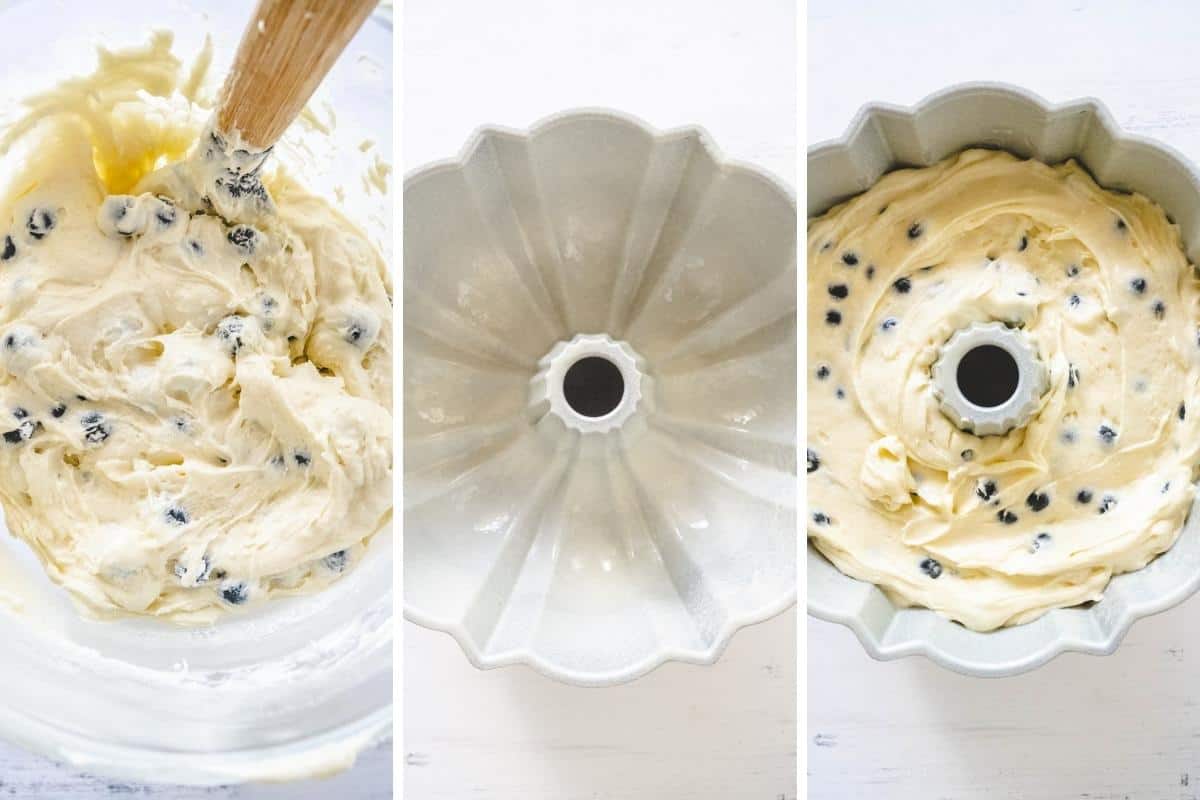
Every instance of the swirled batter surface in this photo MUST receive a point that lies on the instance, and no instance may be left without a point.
(195, 409)
(997, 530)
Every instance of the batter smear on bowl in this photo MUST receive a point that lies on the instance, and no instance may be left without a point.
(1096, 480)
(195, 408)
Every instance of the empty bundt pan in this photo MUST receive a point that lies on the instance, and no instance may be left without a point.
(599, 397)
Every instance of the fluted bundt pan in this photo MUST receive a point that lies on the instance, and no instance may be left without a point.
(599, 397)
(884, 137)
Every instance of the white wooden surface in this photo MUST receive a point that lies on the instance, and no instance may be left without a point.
(1126, 726)
(701, 733)
(26, 776)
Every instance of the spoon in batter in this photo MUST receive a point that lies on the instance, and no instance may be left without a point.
(285, 52)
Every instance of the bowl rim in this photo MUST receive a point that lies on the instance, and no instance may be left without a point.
(827, 608)
(316, 756)
(708, 656)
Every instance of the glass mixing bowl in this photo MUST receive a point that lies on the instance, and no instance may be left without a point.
(293, 690)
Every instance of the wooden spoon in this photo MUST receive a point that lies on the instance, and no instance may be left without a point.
(285, 52)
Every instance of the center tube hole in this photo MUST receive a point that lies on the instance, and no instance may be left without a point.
(593, 386)
(988, 376)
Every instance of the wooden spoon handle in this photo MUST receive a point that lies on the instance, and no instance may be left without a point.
(285, 52)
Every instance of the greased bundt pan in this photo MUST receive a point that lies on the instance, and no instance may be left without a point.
(599, 400)
(885, 137)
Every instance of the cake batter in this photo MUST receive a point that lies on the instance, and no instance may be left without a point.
(996, 530)
(195, 397)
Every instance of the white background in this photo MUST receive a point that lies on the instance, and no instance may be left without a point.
(702, 733)
(1125, 726)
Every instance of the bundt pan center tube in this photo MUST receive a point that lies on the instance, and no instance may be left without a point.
(988, 378)
(599, 401)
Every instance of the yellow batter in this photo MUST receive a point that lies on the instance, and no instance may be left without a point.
(997, 530)
(195, 410)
